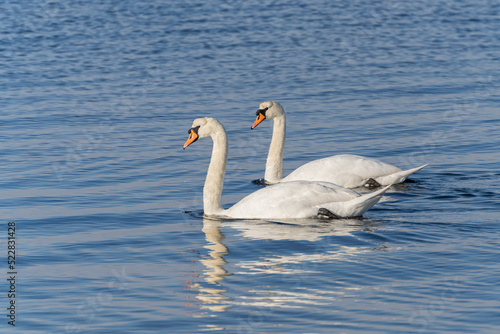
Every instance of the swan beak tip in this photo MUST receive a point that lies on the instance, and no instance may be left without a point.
(259, 120)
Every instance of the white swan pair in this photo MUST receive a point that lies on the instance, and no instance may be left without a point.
(295, 199)
(305, 194)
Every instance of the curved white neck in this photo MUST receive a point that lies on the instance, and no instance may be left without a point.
(212, 190)
(274, 164)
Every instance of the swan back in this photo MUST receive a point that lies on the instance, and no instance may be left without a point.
(345, 169)
(297, 199)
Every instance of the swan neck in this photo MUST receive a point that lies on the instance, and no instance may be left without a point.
(212, 190)
(274, 164)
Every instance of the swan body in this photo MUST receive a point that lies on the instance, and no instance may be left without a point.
(346, 170)
(303, 199)
(296, 199)
(350, 171)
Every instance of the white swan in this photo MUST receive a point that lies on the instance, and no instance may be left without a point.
(345, 170)
(298, 199)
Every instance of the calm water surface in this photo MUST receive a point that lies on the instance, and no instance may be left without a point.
(97, 98)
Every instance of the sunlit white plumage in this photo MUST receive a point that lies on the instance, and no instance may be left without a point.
(346, 170)
(297, 199)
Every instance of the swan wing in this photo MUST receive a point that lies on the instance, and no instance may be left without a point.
(345, 170)
(299, 199)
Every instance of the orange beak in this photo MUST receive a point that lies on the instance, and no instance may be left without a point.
(260, 118)
(192, 138)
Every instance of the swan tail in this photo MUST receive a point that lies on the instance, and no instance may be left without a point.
(398, 177)
(356, 207)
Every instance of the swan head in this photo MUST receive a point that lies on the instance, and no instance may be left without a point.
(267, 109)
(202, 128)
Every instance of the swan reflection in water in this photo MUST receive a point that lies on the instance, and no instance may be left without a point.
(293, 267)
(213, 297)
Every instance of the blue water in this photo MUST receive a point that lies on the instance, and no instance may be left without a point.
(96, 100)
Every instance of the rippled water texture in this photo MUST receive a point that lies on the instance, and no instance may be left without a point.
(96, 100)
